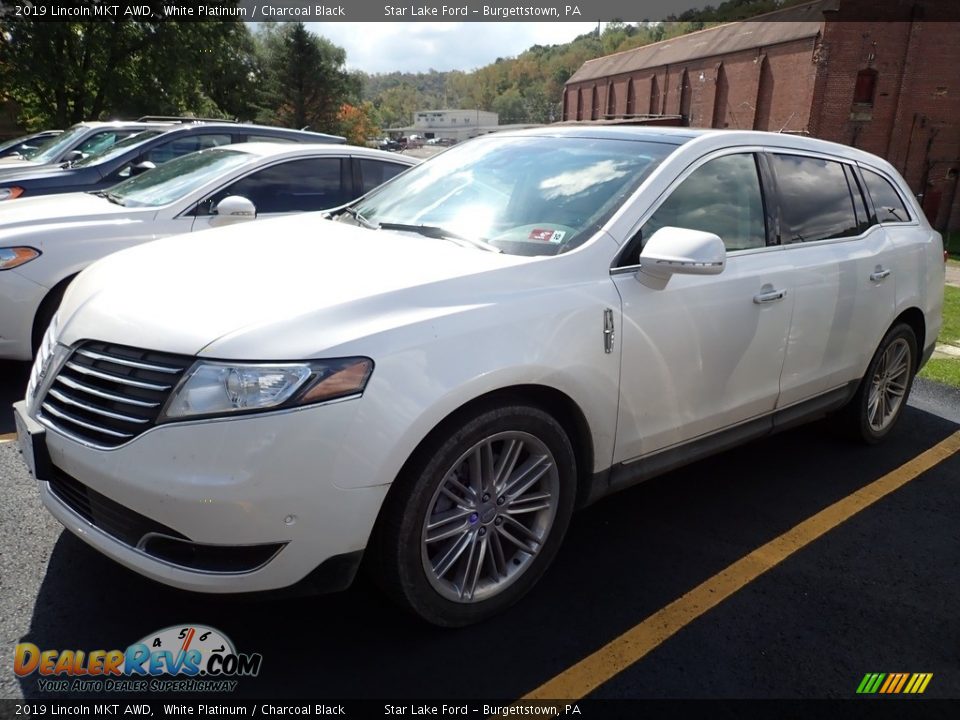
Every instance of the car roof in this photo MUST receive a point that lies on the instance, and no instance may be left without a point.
(268, 149)
(650, 133)
(246, 129)
(713, 137)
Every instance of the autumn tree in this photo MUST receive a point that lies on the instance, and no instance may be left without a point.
(357, 122)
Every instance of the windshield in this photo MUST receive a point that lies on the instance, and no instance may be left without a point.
(116, 149)
(175, 179)
(524, 195)
(51, 151)
(36, 142)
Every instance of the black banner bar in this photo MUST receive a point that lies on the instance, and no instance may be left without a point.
(874, 708)
(471, 10)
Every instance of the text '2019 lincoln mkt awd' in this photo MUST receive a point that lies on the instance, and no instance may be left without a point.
(433, 379)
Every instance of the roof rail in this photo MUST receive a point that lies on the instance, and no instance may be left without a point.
(181, 118)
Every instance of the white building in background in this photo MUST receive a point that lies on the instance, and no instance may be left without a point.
(450, 124)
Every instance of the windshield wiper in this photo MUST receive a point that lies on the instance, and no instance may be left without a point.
(359, 218)
(115, 199)
(433, 231)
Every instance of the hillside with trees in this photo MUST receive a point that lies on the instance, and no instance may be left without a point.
(59, 73)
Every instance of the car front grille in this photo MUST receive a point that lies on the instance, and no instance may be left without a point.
(106, 394)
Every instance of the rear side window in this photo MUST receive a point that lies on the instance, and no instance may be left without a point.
(815, 199)
(377, 172)
(887, 204)
(723, 197)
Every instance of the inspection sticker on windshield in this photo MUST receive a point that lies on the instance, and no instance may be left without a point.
(553, 236)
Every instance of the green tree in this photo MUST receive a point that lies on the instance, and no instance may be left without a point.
(63, 72)
(304, 77)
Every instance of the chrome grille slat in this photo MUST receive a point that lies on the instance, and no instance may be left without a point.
(128, 363)
(84, 370)
(90, 408)
(80, 387)
(77, 421)
(105, 394)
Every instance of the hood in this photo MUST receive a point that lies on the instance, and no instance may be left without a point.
(271, 289)
(12, 162)
(39, 212)
(33, 172)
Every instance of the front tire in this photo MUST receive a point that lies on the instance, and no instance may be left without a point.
(472, 526)
(885, 387)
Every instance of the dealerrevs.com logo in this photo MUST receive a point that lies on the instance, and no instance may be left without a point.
(180, 658)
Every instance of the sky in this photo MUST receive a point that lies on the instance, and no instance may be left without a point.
(420, 46)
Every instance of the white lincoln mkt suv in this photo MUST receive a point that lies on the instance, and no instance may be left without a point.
(433, 378)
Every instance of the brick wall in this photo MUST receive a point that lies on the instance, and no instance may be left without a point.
(779, 79)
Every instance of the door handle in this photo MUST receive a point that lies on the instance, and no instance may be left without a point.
(879, 274)
(769, 296)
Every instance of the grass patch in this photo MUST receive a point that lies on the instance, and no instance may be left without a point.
(944, 371)
(950, 332)
(947, 370)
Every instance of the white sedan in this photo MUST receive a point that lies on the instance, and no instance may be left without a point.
(46, 241)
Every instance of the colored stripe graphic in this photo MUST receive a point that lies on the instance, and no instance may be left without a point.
(894, 683)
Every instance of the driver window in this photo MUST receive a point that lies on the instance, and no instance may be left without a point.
(723, 197)
(295, 186)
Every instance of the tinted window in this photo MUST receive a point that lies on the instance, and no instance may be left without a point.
(183, 145)
(269, 139)
(377, 172)
(723, 197)
(300, 185)
(815, 200)
(887, 205)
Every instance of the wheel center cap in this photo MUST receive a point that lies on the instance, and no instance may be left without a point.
(487, 514)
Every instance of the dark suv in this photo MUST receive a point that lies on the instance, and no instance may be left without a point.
(140, 152)
(80, 141)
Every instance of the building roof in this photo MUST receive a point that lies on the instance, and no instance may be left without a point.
(793, 23)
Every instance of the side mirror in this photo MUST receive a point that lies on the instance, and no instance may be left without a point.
(673, 250)
(141, 167)
(73, 155)
(234, 208)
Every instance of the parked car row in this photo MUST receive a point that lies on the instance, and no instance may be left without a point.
(429, 379)
(46, 240)
(24, 145)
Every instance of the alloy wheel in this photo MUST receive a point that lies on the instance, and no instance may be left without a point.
(490, 516)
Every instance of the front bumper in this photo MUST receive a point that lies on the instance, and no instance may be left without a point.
(277, 479)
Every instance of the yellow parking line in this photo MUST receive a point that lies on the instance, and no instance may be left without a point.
(620, 653)
(8, 437)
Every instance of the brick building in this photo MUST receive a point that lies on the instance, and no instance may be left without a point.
(890, 87)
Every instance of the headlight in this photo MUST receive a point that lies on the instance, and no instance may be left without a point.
(216, 388)
(12, 257)
(9, 193)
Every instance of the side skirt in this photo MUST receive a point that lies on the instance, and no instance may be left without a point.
(631, 472)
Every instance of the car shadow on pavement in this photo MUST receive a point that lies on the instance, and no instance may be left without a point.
(13, 386)
(624, 558)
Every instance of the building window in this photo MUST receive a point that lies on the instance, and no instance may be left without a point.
(864, 90)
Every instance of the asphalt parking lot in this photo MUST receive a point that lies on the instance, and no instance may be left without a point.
(876, 593)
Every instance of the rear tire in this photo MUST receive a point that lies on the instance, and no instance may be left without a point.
(471, 527)
(875, 409)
